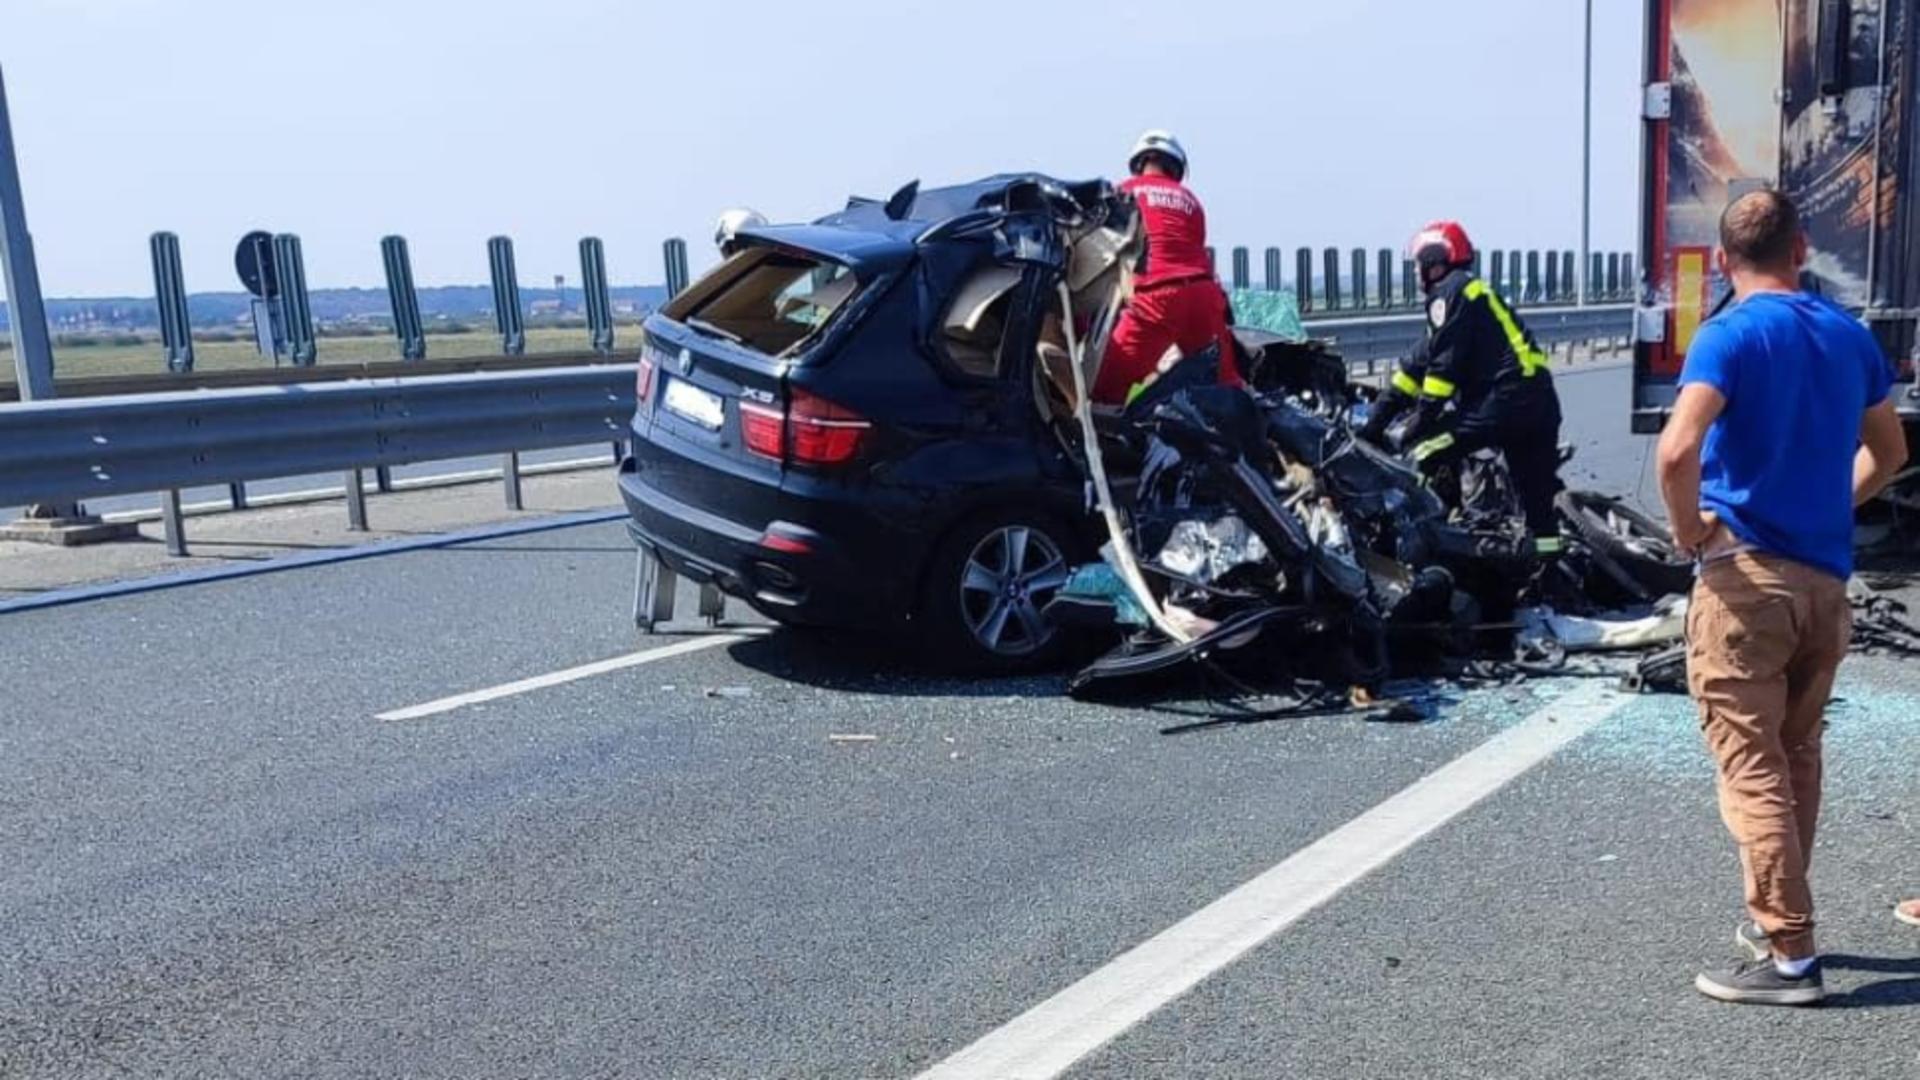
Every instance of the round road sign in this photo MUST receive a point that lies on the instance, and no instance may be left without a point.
(253, 260)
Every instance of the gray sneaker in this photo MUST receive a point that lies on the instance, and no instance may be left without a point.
(1760, 983)
(1753, 941)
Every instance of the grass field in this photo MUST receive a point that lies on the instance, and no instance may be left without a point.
(81, 361)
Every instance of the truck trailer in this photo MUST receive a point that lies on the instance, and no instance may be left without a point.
(1815, 98)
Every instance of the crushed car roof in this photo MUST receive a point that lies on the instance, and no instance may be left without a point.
(935, 205)
(863, 250)
(865, 238)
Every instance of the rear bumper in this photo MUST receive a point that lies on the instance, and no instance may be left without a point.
(785, 570)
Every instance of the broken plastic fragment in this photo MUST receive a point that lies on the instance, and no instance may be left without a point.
(1206, 551)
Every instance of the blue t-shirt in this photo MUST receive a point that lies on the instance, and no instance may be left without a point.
(1797, 372)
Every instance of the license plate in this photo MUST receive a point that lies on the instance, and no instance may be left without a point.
(689, 401)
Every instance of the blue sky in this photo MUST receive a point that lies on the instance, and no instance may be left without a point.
(1345, 122)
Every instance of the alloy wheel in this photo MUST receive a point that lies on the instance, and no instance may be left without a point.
(1009, 577)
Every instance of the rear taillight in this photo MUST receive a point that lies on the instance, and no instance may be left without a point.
(763, 429)
(643, 379)
(812, 431)
(820, 432)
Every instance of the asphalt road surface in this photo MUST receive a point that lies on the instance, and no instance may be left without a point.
(381, 818)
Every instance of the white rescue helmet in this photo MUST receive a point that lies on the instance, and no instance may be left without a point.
(731, 222)
(1157, 142)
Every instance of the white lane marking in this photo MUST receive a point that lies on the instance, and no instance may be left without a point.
(1049, 1038)
(556, 678)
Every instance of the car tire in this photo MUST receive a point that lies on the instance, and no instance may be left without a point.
(1630, 547)
(986, 586)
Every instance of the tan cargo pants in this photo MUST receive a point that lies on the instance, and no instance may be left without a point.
(1765, 636)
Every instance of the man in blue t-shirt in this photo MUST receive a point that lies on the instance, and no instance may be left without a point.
(1781, 428)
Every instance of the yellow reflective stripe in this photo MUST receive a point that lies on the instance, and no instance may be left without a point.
(1532, 360)
(1432, 446)
(1437, 387)
(1405, 383)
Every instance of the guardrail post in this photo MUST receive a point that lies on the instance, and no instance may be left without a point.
(510, 475)
(674, 253)
(506, 296)
(1596, 276)
(1242, 269)
(513, 335)
(1515, 284)
(1567, 276)
(1273, 270)
(296, 313)
(598, 301)
(1613, 275)
(1534, 290)
(403, 298)
(26, 311)
(1477, 272)
(1303, 279)
(1628, 282)
(1409, 283)
(237, 495)
(1498, 278)
(173, 523)
(356, 501)
(170, 297)
(1358, 268)
(1330, 260)
(1386, 278)
(1552, 286)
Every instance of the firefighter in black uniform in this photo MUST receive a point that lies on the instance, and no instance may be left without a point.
(1478, 382)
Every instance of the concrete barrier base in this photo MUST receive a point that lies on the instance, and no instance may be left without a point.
(68, 531)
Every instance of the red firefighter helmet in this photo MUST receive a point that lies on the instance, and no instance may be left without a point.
(1443, 242)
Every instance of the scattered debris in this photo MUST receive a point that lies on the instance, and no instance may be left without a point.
(729, 692)
(1265, 543)
(852, 738)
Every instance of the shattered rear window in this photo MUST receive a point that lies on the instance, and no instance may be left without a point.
(772, 300)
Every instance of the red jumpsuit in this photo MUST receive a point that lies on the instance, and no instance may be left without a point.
(1176, 302)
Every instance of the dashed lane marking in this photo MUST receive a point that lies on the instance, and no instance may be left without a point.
(557, 678)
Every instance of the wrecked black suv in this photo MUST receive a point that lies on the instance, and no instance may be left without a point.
(856, 422)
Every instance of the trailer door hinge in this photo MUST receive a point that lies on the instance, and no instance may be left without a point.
(1658, 102)
(1650, 324)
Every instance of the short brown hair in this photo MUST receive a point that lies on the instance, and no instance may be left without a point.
(1759, 230)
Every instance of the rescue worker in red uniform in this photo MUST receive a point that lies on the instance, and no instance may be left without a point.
(1177, 302)
(1479, 381)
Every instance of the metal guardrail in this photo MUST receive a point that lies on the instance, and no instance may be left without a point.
(1368, 340)
(62, 450)
(158, 382)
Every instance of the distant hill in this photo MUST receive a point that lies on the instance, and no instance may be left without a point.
(329, 305)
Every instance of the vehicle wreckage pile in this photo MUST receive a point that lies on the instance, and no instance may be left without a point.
(1263, 542)
(1255, 538)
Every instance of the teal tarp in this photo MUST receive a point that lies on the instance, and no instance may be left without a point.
(1274, 312)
